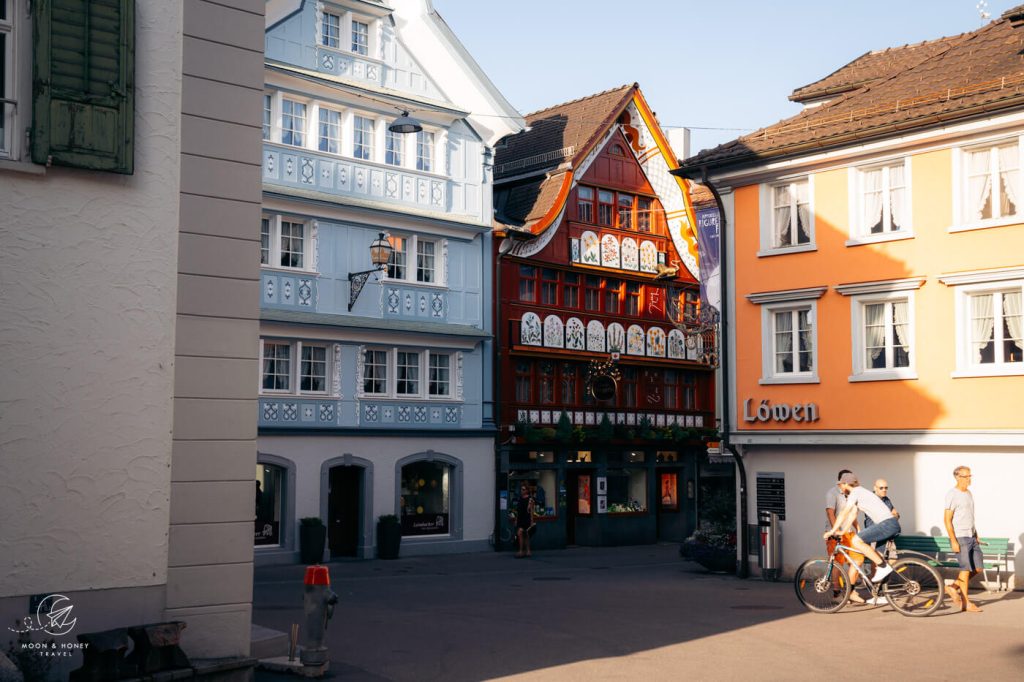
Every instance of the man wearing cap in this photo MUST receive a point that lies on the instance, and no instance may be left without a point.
(885, 525)
(835, 500)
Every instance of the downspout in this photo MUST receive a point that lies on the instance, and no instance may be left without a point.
(743, 565)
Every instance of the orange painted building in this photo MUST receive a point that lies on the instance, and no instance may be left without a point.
(875, 260)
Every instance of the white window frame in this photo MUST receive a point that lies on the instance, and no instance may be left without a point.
(424, 356)
(340, 136)
(865, 293)
(430, 146)
(965, 285)
(961, 221)
(274, 256)
(294, 375)
(412, 242)
(268, 116)
(336, 39)
(17, 78)
(291, 367)
(305, 131)
(398, 149)
(767, 217)
(352, 43)
(370, 143)
(858, 234)
(787, 301)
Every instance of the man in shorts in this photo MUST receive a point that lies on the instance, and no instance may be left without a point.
(963, 537)
(835, 500)
(884, 526)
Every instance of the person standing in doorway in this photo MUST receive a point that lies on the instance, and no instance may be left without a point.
(963, 537)
(524, 519)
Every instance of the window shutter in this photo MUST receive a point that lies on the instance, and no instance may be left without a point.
(83, 109)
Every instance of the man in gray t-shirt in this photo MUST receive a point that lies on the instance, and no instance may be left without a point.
(963, 537)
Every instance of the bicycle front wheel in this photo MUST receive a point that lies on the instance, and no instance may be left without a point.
(822, 586)
(914, 588)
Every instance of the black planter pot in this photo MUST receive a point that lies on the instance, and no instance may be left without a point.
(389, 539)
(715, 559)
(312, 540)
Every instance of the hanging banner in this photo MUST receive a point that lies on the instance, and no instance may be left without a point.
(708, 226)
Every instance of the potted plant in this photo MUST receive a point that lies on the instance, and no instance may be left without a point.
(312, 539)
(712, 546)
(389, 536)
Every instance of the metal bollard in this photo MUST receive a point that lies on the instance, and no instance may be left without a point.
(318, 606)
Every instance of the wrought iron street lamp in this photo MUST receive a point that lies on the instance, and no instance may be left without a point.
(380, 255)
(405, 124)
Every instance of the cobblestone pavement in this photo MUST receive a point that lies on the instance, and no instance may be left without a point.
(624, 613)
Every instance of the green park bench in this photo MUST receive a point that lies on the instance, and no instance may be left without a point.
(996, 553)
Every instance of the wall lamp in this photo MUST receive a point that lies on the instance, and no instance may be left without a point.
(380, 254)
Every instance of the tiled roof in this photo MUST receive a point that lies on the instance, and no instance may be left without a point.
(701, 196)
(981, 72)
(871, 67)
(557, 135)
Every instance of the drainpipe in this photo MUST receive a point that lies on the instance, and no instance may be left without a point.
(743, 565)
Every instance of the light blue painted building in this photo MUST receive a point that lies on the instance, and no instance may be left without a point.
(375, 384)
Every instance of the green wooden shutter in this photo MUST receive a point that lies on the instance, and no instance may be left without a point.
(83, 92)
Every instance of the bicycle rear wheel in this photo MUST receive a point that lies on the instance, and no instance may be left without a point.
(914, 588)
(822, 586)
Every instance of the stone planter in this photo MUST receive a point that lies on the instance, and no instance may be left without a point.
(715, 559)
(389, 537)
(312, 540)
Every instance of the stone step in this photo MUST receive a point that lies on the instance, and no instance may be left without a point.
(267, 643)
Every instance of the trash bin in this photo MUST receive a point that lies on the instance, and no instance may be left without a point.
(769, 551)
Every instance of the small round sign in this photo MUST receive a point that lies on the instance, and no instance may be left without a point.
(603, 387)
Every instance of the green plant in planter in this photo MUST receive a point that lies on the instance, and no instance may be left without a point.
(605, 430)
(579, 435)
(307, 521)
(547, 433)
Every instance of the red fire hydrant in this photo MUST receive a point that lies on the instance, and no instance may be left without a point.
(318, 605)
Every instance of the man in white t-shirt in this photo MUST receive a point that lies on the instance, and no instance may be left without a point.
(885, 525)
(963, 537)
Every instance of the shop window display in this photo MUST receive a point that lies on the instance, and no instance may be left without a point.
(269, 480)
(627, 491)
(425, 498)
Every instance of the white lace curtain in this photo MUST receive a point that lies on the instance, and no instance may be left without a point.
(874, 332)
(901, 324)
(1012, 317)
(979, 185)
(897, 192)
(781, 229)
(783, 342)
(1008, 179)
(981, 324)
(873, 201)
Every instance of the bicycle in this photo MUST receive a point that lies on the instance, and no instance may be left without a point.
(913, 588)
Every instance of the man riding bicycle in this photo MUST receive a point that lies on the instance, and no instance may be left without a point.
(885, 525)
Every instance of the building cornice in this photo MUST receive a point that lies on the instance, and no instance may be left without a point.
(788, 295)
(880, 287)
(982, 276)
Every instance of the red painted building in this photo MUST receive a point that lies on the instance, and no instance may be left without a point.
(602, 403)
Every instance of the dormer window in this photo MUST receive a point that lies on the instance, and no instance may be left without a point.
(330, 30)
(360, 37)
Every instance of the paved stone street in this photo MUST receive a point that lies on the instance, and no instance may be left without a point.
(621, 613)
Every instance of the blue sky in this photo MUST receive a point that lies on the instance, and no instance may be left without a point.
(716, 64)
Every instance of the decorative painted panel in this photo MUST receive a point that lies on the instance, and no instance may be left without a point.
(676, 344)
(635, 340)
(286, 290)
(591, 252)
(530, 330)
(630, 254)
(648, 257)
(575, 336)
(298, 412)
(616, 338)
(327, 173)
(610, 251)
(595, 336)
(656, 342)
(554, 332)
